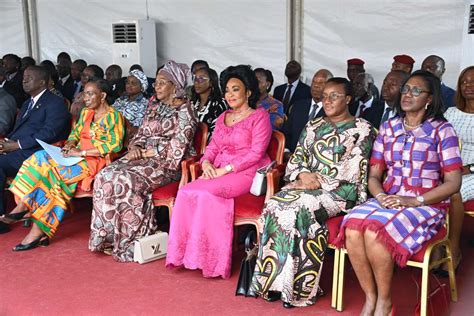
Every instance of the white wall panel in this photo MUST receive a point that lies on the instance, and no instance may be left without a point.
(12, 35)
(376, 30)
(222, 32)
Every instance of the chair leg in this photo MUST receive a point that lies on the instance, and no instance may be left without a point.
(424, 288)
(335, 274)
(257, 231)
(170, 210)
(340, 280)
(452, 274)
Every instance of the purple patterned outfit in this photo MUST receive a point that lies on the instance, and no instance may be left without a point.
(415, 162)
(275, 108)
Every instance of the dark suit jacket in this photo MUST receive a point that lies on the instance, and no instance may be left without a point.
(374, 113)
(447, 94)
(302, 91)
(297, 119)
(67, 89)
(7, 112)
(49, 120)
(15, 88)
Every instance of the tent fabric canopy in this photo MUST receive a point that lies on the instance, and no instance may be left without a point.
(253, 32)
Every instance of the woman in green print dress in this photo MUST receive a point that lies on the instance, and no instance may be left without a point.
(327, 175)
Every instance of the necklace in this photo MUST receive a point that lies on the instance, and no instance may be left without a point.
(410, 126)
(237, 116)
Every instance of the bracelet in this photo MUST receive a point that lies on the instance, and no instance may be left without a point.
(83, 153)
(379, 194)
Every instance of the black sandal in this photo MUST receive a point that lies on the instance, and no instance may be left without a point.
(13, 218)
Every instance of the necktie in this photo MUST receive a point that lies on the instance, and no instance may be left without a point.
(286, 98)
(76, 88)
(312, 114)
(386, 115)
(361, 109)
(30, 106)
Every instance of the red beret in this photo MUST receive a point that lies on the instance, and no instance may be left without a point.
(355, 61)
(404, 59)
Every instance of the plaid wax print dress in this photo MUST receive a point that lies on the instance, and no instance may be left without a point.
(415, 162)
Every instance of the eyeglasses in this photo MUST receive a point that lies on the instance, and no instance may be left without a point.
(415, 91)
(200, 79)
(333, 96)
(160, 83)
(86, 77)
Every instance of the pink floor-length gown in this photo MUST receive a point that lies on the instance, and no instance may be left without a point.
(201, 228)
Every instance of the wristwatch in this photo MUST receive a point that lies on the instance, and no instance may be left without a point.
(229, 168)
(471, 168)
(421, 199)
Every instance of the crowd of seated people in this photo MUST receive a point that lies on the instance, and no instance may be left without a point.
(374, 156)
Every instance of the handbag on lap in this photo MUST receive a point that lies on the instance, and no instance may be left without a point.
(259, 183)
(247, 267)
(150, 248)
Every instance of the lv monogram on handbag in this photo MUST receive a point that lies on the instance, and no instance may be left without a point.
(259, 183)
(150, 248)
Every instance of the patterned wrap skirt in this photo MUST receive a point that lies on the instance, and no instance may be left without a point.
(46, 188)
(402, 231)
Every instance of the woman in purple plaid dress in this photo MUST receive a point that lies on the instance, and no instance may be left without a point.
(419, 152)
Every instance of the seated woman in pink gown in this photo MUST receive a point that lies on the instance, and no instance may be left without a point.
(202, 223)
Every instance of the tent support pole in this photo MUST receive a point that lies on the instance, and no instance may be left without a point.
(294, 22)
(31, 28)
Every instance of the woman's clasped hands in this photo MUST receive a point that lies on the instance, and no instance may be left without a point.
(209, 171)
(70, 150)
(136, 153)
(396, 201)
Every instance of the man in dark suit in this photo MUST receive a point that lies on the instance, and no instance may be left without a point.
(390, 93)
(77, 68)
(7, 106)
(295, 89)
(355, 66)
(365, 101)
(65, 83)
(436, 66)
(13, 85)
(43, 117)
(304, 110)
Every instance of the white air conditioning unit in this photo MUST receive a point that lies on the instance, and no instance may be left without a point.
(134, 42)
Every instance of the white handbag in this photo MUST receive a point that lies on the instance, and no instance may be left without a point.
(259, 183)
(150, 248)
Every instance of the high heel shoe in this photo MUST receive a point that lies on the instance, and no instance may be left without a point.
(35, 243)
(13, 218)
(44, 242)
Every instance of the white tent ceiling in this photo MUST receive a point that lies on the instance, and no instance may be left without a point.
(253, 32)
